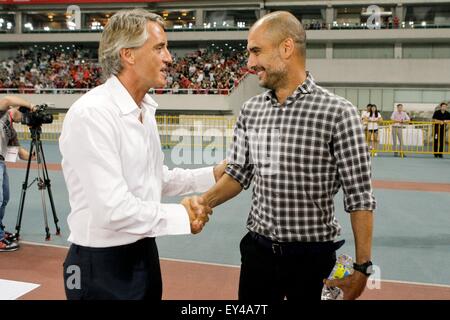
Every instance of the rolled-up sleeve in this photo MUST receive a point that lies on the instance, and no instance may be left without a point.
(240, 166)
(353, 161)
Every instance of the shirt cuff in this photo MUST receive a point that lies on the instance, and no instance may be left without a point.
(203, 179)
(177, 219)
(238, 174)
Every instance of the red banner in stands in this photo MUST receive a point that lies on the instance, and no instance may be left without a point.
(72, 1)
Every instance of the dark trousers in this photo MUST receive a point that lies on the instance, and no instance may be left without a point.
(295, 271)
(439, 139)
(128, 272)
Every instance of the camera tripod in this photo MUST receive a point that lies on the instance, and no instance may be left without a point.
(43, 182)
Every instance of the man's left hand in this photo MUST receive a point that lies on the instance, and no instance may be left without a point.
(352, 286)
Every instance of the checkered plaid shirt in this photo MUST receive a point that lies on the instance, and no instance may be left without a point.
(299, 155)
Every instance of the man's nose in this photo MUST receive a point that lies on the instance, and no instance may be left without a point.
(168, 57)
(251, 63)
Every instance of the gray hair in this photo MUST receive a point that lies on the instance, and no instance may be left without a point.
(281, 25)
(125, 29)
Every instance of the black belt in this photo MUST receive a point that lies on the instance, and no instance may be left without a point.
(295, 248)
(139, 243)
(2, 158)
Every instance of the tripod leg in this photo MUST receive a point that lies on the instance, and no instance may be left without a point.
(41, 186)
(49, 188)
(24, 191)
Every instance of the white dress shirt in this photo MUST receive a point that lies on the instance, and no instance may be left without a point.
(399, 116)
(372, 125)
(113, 168)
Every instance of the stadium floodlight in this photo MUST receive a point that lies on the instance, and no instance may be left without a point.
(71, 25)
(28, 26)
(95, 25)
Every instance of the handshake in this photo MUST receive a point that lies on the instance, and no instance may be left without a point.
(198, 212)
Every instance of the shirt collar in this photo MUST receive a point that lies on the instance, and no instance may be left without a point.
(123, 99)
(306, 87)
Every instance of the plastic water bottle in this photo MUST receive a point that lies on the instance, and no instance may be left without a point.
(342, 269)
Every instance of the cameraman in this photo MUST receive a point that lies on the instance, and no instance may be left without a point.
(8, 137)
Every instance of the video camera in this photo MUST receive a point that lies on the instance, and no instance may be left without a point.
(36, 118)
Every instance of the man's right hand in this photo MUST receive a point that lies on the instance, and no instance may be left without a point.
(198, 212)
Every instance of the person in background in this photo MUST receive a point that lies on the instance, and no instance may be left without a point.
(373, 120)
(9, 114)
(399, 117)
(441, 118)
(365, 119)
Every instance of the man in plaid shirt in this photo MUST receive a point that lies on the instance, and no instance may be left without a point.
(299, 144)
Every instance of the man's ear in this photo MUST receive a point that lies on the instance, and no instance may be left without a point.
(287, 48)
(127, 55)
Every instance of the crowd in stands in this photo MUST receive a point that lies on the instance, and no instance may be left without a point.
(34, 70)
(54, 70)
(206, 72)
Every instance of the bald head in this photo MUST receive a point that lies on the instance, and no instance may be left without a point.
(280, 25)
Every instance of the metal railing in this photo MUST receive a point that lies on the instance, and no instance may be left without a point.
(43, 90)
(216, 132)
(184, 29)
(209, 91)
(413, 137)
(318, 26)
(196, 131)
(204, 91)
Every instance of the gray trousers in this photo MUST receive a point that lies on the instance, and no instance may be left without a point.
(397, 131)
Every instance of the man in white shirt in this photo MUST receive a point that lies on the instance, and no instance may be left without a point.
(113, 168)
(398, 117)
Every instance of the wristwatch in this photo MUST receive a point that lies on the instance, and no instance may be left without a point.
(365, 268)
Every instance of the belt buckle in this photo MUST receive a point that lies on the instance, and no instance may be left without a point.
(276, 248)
